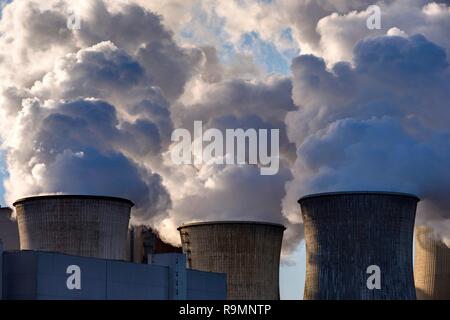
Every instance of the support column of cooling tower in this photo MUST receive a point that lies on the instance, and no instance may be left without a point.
(90, 226)
(346, 232)
(431, 266)
(248, 252)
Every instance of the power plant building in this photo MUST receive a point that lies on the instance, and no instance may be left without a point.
(43, 275)
(248, 252)
(351, 236)
(143, 242)
(82, 247)
(431, 266)
(72, 247)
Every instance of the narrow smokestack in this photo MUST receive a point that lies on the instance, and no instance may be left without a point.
(346, 232)
(9, 232)
(144, 241)
(248, 252)
(431, 266)
(90, 226)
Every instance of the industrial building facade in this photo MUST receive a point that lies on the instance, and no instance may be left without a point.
(81, 247)
(37, 275)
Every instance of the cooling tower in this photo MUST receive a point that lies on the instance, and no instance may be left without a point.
(248, 252)
(348, 232)
(431, 266)
(90, 226)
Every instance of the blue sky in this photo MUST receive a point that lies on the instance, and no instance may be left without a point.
(292, 277)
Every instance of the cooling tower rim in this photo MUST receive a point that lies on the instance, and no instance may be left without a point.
(343, 193)
(195, 224)
(72, 196)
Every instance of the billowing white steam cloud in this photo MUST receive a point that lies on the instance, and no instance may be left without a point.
(327, 28)
(220, 192)
(92, 110)
(88, 111)
(382, 124)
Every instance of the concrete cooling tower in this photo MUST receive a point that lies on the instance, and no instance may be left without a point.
(349, 235)
(431, 266)
(90, 226)
(248, 252)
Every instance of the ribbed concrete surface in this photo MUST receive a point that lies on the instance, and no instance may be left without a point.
(86, 226)
(431, 266)
(347, 232)
(249, 253)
